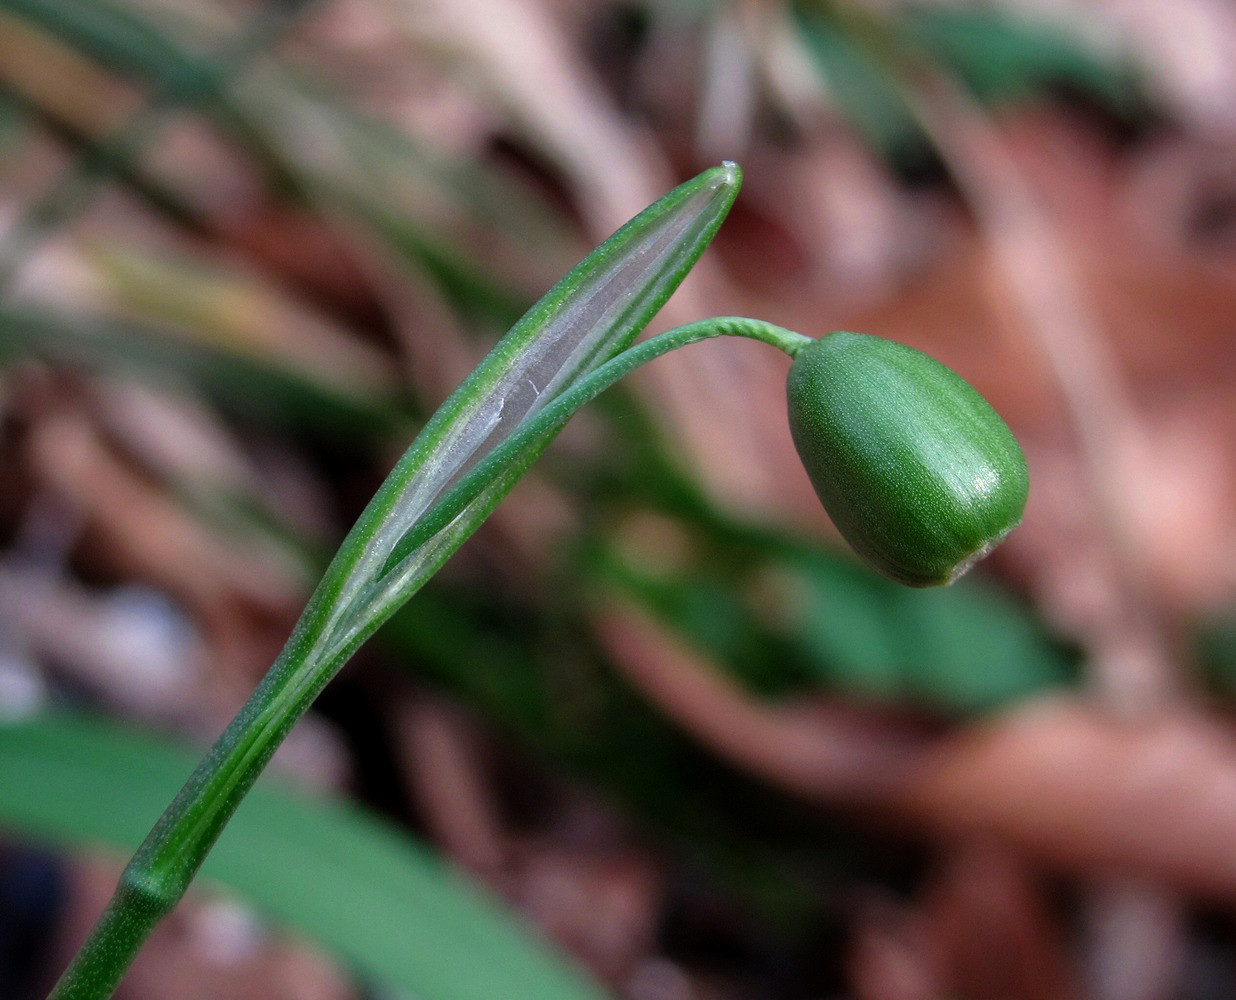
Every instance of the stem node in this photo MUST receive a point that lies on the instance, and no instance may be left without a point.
(149, 892)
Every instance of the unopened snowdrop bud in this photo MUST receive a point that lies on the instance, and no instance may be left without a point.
(918, 472)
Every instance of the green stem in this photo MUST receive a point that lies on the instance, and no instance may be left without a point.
(521, 446)
(161, 870)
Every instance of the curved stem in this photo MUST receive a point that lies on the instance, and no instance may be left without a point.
(531, 438)
(161, 870)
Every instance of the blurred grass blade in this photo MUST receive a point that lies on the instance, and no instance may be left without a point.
(108, 33)
(861, 87)
(127, 44)
(866, 59)
(473, 292)
(73, 191)
(1002, 54)
(383, 905)
(244, 384)
(311, 146)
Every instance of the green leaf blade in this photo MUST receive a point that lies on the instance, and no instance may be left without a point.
(385, 906)
(588, 318)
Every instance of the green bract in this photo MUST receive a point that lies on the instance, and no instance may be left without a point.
(918, 472)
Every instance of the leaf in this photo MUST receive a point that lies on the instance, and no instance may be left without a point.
(383, 904)
(1213, 642)
(1065, 780)
(113, 36)
(966, 648)
(999, 57)
(861, 88)
(1004, 57)
(800, 617)
(575, 330)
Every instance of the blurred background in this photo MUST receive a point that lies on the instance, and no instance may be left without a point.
(653, 707)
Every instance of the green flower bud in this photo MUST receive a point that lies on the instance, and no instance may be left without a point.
(918, 472)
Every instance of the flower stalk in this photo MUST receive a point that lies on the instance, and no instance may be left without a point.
(575, 343)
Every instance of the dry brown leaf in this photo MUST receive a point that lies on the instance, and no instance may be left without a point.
(437, 747)
(1063, 780)
(1059, 779)
(891, 956)
(991, 930)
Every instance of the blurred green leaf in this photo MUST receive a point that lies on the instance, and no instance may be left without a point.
(113, 36)
(381, 903)
(965, 648)
(13, 124)
(176, 73)
(861, 56)
(862, 88)
(707, 607)
(1214, 646)
(962, 649)
(1002, 57)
